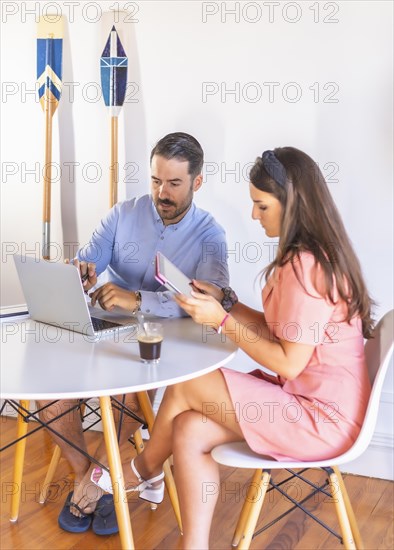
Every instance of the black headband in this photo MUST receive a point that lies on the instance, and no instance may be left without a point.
(274, 168)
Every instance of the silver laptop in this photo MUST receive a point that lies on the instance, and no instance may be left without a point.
(54, 295)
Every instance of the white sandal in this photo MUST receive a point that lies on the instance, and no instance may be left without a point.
(145, 487)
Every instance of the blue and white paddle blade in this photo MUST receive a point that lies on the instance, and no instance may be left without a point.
(49, 60)
(113, 68)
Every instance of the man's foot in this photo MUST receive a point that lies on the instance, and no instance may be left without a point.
(72, 523)
(86, 495)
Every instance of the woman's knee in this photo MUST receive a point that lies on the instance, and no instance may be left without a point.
(188, 430)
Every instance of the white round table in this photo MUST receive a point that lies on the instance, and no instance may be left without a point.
(39, 361)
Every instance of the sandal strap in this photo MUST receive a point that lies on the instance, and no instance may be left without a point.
(69, 503)
(141, 480)
(136, 473)
(156, 478)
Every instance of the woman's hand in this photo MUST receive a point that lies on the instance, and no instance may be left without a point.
(208, 288)
(202, 308)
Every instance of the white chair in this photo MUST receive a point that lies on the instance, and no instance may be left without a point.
(378, 353)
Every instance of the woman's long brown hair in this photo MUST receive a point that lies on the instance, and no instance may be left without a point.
(311, 222)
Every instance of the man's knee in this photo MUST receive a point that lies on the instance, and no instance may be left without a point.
(64, 409)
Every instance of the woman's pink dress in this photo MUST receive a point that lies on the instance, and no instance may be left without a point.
(319, 414)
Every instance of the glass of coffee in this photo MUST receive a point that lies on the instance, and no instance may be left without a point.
(149, 340)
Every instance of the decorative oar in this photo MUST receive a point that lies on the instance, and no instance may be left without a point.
(113, 67)
(49, 76)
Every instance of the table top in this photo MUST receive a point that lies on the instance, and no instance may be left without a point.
(39, 361)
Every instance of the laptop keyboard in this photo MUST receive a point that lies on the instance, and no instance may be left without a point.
(102, 324)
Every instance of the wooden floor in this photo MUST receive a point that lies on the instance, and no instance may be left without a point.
(37, 526)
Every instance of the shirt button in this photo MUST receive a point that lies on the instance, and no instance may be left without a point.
(161, 238)
(148, 311)
(153, 262)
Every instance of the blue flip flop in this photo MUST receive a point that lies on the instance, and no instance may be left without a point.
(73, 524)
(104, 517)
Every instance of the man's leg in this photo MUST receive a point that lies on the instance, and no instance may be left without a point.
(87, 493)
(70, 427)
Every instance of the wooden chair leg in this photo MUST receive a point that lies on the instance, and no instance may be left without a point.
(19, 460)
(346, 530)
(149, 415)
(349, 509)
(56, 456)
(254, 511)
(250, 497)
(138, 441)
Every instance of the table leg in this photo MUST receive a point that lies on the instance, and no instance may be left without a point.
(115, 466)
(149, 415)
(18, 462)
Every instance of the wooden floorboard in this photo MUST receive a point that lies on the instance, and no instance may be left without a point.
(372, 499)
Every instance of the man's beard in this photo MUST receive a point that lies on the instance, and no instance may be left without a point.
(176, 210)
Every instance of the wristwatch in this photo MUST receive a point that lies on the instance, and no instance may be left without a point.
(229, 298)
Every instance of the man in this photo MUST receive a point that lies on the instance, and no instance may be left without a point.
(123, 249)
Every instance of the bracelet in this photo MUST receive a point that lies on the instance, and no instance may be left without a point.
(222, 323)
(138, 301)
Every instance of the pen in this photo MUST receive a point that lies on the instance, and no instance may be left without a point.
(83, 277)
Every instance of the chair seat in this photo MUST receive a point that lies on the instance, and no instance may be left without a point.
(239, 455)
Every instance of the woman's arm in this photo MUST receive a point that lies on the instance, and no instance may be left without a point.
(253, 319)
(285, 358)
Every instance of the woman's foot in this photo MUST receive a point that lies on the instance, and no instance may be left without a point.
(151, 487)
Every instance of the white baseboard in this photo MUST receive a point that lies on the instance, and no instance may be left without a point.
(377, 461)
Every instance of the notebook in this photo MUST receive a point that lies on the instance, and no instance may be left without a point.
(54, 295)
(170, 276)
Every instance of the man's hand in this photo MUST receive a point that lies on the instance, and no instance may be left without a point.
(110, 295)
(87, 272)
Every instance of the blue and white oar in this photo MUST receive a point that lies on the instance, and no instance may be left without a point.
(49, 76)
(113, 68)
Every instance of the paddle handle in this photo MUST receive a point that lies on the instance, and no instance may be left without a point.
(49, 108)
(113, 168)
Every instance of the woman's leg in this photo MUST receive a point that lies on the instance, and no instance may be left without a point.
(197, 474)
(207, 395)
(194, 417)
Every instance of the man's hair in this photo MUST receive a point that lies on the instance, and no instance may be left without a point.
(183, 147)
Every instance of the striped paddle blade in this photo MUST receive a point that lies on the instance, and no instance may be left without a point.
(49, 61)
(113, 68)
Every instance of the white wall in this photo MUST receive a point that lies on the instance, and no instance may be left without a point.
(337, 55)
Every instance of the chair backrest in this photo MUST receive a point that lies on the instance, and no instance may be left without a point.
(378, 351)
(380, 347)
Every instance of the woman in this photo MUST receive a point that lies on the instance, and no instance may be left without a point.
(316, 312)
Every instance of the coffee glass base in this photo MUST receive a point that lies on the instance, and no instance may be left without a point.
(150, 361)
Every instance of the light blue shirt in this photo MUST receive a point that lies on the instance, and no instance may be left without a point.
(125, 243)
